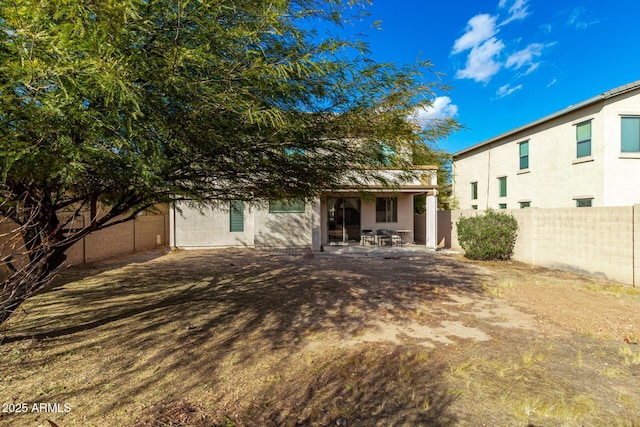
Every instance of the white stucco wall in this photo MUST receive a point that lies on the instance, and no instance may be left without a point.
(622, 170)
(555, 177)
(210, 227)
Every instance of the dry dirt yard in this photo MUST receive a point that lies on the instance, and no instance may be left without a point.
(292, 338)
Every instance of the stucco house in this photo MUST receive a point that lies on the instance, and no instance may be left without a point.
(585, 155)
(337, 217)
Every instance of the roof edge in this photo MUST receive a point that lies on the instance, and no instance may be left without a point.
(603, 96)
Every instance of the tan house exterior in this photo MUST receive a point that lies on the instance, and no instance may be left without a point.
(337, 217)
(585, 155)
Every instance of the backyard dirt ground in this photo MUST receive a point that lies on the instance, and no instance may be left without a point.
(245, 337)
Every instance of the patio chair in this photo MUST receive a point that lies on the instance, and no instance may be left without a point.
(383, 237)
(394, 238)
(367, 236)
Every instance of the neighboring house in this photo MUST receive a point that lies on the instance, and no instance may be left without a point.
(585, 155)
(334, 218)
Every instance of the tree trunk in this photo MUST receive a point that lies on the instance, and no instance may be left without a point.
(44, 245)
(28, 280)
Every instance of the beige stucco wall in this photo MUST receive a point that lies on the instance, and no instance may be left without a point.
(555, 177)
(600, 241)
(210, 227)
(195, 227)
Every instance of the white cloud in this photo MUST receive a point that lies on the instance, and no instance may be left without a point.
(482, 61)
(507, 90)
(479, 29)
(486, 50)
(518, 10)
(441, 108)
(552, 82)
(525, 58)
(579, 20)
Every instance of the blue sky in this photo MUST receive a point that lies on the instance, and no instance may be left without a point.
(510, 61)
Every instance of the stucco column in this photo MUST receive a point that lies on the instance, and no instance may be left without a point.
(316, 231)
(172, 225)
(432, 220)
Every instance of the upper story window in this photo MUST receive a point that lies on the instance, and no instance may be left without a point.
(474, 191)
(295, 152)
(381, 154)
(386, 209)
(502, 186)
(524, 155)
(630, 134)
(583, 139)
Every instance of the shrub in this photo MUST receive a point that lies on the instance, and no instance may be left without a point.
(491, 236)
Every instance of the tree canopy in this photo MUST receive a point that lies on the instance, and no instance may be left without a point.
(125, 104)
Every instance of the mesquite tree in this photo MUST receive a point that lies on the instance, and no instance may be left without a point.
(111, 107)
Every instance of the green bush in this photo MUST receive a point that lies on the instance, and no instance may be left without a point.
(488, 237)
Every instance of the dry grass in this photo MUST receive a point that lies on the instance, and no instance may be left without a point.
(245, 338)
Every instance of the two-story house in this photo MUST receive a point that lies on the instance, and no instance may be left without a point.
(337, 217)
(585, 155)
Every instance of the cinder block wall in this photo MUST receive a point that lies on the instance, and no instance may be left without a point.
(599, 241)
(144, 233)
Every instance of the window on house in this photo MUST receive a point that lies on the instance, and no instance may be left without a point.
(584, 203)
(386, 209)
(502, 186)
(295, 152)
(381, 154)
(474, 207)
(236, 216)
(630, 134)
(502, 206)
(525, 205)
(524, 155)
(474, 191)
(286, 206)
(583, 138)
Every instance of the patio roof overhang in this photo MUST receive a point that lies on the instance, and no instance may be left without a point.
(382, 189)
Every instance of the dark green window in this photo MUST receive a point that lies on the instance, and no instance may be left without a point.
(474, 207)
(295, 152)
(236, 216)
(502, 206)
(583, 138)
(386, 209)
(584, 203)
(286, 206)
(524, 155)
(525, 205)
(502, 186)
(474, 191)
(630, 134)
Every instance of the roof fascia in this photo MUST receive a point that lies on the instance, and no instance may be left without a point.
(606, 95)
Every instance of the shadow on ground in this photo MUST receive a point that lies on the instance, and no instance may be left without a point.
(200, 323)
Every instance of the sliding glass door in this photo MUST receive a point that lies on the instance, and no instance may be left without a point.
(343, 215)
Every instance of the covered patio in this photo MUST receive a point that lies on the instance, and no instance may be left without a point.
(358, 218)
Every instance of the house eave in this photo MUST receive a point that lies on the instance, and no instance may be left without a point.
(599, 98)
(383, 189)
